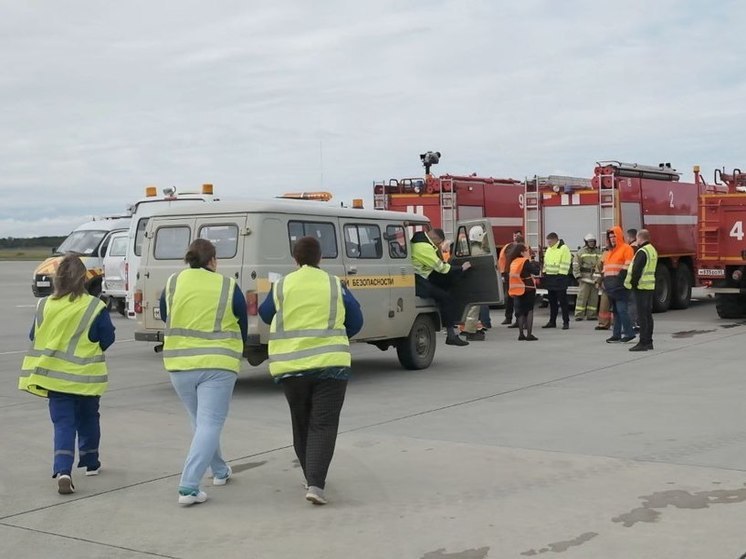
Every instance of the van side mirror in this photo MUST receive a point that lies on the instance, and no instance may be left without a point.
(54, 251)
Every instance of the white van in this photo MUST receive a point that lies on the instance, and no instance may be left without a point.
(114, 287)
(141, 212)
(368, 249)
(89, 240)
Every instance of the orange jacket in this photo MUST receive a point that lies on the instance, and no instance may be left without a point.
(502, 261)
(620, 256)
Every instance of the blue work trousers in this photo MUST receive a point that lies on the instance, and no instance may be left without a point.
(206, 395)
(74, 415)
(622, 324)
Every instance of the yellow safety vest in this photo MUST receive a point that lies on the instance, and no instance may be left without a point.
(647, 279)
(557, 260)
(62, 358)
(425, 259)
(308, 331)
(201, 330)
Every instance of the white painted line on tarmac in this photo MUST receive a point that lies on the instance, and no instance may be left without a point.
(25, 306)
(12, 352)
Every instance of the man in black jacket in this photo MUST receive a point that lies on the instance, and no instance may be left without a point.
(641, 280)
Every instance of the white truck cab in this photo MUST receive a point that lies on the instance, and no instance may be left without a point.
(141, 211)
(368, 249)
(90, 241)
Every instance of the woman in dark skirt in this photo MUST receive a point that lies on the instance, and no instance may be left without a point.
(522, 287)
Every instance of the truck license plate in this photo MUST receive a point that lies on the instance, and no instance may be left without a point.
(157, 313)
(711, 272)
(43, 284)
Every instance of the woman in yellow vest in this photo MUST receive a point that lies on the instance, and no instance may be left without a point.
(206, 327)
(66, 365)
(522, 288)
(311, 316)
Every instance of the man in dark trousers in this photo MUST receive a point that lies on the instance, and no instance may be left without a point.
(557, 260)
(641, 280)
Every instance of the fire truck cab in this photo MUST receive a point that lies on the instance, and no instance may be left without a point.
(721, 253)
(629, 195)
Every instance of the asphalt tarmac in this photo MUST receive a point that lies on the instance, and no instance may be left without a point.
(567, 447)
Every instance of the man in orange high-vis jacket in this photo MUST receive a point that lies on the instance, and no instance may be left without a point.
(503, 266)
(616, 264)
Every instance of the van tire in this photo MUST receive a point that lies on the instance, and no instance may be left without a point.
(417, 350)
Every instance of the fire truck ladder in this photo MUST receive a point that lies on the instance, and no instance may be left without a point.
(709, 228)
(532, 213)
(447, 208)
(607, 206)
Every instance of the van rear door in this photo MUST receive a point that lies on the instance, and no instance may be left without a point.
(480, 284)
(225, 231)
(114, 265)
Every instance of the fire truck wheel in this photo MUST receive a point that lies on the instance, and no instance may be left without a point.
(417, 350)
(663, 288)
(730, 305)
(682, 287)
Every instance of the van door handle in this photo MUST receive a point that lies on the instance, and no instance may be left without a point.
(147, 274)
(352, 270)
(235, 275)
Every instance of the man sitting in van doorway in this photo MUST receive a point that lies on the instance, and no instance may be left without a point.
(434, 277)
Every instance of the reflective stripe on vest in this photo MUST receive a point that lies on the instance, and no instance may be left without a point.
(307, 331)
(201, 331)
(647, 278)
(61, 357)
(517, 286)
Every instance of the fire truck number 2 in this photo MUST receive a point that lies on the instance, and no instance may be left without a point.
(737, 230)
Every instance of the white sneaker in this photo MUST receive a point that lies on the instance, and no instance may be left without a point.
(65, 484)
(93, 472)
(192, 498)
(316, 495)
(222, 480)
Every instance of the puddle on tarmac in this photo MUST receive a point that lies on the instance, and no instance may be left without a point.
(648, 512)
(690, 333)
(733, 325)
(559, 547)
(480, 553)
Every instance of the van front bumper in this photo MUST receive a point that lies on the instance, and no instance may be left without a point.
(149, 336)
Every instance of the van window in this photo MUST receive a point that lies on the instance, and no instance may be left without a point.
(224, 237)
(118, 247)
(171, 243)
(363, 241)
(324, 232)
(397, 241)
(140, 235)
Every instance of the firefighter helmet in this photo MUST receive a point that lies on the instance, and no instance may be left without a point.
(476, 234)
(589, 237)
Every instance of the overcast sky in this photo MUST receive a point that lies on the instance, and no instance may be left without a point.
(100, 99)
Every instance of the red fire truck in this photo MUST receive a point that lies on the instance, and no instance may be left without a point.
(722, 249)
(449, 198)
(631, 196)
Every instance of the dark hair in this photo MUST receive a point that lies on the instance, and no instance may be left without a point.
(631, 231)
(518, 231)
(307, 251)
(69, 278)
(440, 233)
(552, 235)
(200, 252)
(516, 251)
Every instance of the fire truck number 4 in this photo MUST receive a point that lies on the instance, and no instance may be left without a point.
(737, 230)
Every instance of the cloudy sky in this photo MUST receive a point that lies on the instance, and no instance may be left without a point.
(100, 99)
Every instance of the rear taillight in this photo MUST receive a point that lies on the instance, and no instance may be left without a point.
(252, 303)
(126, 276)
(138, 301)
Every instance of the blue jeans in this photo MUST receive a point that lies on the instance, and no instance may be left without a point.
(484, 316)
(73, 415)
(206, 395)
(622, 323)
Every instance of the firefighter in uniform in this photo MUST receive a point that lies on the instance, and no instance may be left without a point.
(641, 280)
(311, 316)
(477, 238)
(604, 303)
(583, 268)
(66, 365)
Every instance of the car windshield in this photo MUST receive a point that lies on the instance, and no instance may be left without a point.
(81, 242)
